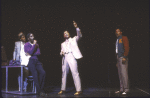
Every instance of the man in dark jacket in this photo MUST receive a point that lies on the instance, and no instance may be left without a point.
(122, 50)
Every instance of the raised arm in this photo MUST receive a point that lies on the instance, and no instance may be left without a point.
(37, 51)
(79, 35)
(31, 49)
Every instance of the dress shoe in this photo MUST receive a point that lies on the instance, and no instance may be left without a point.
(61, 92)
(43, 94)
(78, 93)
(117, 92)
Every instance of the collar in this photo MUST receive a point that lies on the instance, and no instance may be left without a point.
(31, 43)
(67, 40)
(119, 37)
(22, 42)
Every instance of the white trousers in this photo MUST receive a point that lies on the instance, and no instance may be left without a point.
(70, 62)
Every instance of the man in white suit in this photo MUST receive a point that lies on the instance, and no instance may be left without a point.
(71, 52)
(20, 56)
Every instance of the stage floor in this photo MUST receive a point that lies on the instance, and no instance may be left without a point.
(87, 92)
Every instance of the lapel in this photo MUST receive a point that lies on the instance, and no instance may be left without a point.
(19, 46)
(69, 42)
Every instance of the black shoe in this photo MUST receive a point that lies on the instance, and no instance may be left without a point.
(43, 94)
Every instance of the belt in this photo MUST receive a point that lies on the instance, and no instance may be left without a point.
(67, 53)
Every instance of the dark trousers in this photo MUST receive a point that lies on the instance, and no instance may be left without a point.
(36, 69)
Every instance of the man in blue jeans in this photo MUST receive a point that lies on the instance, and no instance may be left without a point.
(35, 66)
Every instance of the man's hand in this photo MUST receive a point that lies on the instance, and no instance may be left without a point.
(27, 54)
(123, 60)
(62, 53)
(75, 24)
(34, 42)
(117, 65)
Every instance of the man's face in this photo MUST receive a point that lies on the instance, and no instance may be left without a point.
(23, 38)
(66, 34)
(118, 32)
(31, 38)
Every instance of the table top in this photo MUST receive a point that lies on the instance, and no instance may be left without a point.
(12, 66)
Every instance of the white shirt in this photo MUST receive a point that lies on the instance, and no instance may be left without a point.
(22, 53)
(31, 43)
(68, 48)
(117, 46)
(77, 29)
(24, 59)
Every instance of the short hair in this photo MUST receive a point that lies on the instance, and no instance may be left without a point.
(119, 29)
(66, 30)
(28, 35)
(20, 35)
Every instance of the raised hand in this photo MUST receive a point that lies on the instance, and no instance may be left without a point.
(75, 24)
(62, 53)
(27, 54)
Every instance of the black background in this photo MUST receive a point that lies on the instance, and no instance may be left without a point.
(97, 19)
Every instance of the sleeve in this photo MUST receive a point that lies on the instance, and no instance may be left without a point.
(29, 50)
(61, 50)
(37, 52)
(15, 51)
(79, 35)
(126, 46)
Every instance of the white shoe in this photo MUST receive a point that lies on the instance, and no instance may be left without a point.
(124, 93)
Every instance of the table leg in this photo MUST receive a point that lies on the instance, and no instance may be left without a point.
(6, 79)
(21, 79)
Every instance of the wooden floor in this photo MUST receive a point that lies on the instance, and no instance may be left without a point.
(87, 92)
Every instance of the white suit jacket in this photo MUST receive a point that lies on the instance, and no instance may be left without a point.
(73, 45)
(16, 54)
(17, 49)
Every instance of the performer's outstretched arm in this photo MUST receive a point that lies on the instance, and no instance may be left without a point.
(79, 35)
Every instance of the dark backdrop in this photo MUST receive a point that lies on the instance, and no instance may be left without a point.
(97, 19)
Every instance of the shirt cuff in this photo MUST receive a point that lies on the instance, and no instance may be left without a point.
(77, 29)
